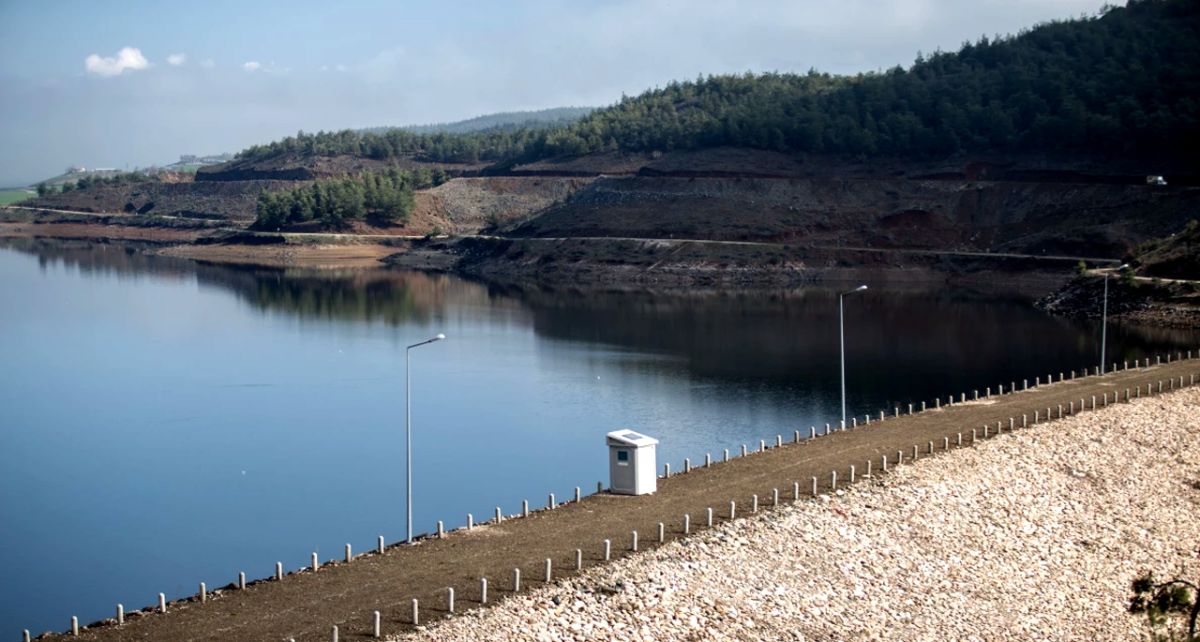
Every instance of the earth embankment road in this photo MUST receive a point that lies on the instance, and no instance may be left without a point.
(306, 605)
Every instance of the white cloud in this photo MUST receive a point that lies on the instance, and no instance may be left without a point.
(252, 65)
(127, 58)
(208, 63)
(176, 59)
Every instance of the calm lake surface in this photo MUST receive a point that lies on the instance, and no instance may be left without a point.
(164, 423)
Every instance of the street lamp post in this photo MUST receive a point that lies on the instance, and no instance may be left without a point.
(842, 343)
(1104, 319)
(408, 426)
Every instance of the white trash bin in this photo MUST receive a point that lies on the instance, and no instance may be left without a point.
(631, 463)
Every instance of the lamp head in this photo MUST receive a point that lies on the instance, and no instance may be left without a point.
(439, 337)
(860, 288)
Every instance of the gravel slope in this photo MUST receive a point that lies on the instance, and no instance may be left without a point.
(1028, 536)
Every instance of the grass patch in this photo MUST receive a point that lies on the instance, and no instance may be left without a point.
(11, 196)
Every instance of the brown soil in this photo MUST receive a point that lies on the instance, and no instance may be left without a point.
(317, 256)
(93, 231)
(306, 605)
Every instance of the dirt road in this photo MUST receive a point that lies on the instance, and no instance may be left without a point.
(306, 605)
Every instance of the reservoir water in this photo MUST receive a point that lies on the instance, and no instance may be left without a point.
(164, 422)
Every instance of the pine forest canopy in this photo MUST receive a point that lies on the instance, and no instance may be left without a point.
(1123, 82)
(383, 196)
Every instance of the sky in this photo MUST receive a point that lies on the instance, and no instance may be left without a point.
(130, 84)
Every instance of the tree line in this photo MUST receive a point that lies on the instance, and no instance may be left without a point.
(1123, 81)
(384, 196)
(93, 180)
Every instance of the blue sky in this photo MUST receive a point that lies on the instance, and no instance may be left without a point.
(214, 76)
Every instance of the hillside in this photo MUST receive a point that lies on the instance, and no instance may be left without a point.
(1120, 83)
(508, 120)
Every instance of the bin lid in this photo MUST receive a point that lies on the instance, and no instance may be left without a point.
(630, 438)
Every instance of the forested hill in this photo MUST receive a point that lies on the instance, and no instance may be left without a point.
(503, 121)
(1122, 82)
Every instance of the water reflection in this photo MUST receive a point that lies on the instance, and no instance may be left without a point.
(195, 396)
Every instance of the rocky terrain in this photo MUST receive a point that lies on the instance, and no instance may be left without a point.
(1034, 535)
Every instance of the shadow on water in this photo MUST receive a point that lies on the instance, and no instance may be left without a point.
(945, 339)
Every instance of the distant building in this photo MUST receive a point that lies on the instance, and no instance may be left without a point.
(76, 169)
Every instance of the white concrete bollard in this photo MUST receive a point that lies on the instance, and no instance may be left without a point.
(74, 626)
(709, 514)
(795, 491)
(796, 437)
(1024, 421)
(687, 465)
(525, 507)
(579, 559)
(883, 463)
(914, 457)
(500, 515)
(549, 575)
(662, 532)
(937, 403)
(416, 613)
(120, 614)
(945, 443)
(832, 480)
(379, 545)
(897, 412)
(910, 409)
(607, 550)
(241, 581)
(334, 634)
(775, 497)
(203, 593)
(754, 504)
(450, 599)
(732, 510)
(985, 431)
(814, 486)
(441, 530)
(666, 470)
(349, 554)
(778, 440)
(687, 524)
(726, 454)
(812, 432)
(880, 415)
(973, 435)
(633, 542)
(25, 636)
(516, 580)
(483, 590)
(550, 503)
(1001, 389)
(922, 406)
(853, 422)
(743, 450)
(316, 563)
(1025, 384)
(851, 473)
(959, 440)
(707, 460)
(377, 625)
(867, 473)
(578, 494)
(278, 571)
